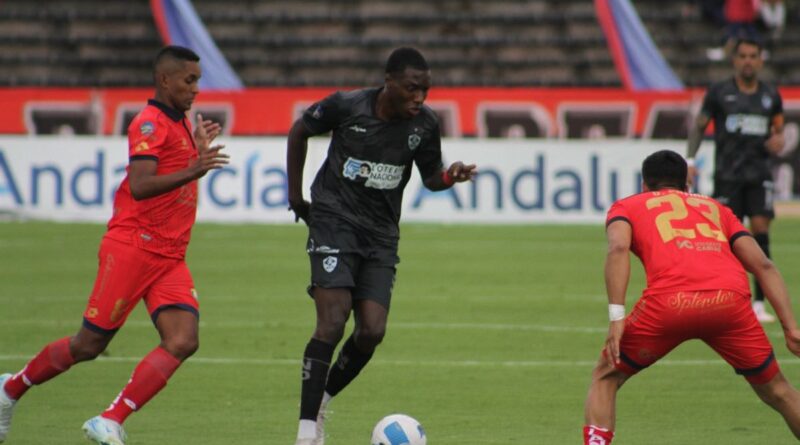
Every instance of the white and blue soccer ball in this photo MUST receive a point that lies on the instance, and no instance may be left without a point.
(398, 429)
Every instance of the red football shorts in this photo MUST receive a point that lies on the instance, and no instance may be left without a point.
(722, 319)
(127, 274)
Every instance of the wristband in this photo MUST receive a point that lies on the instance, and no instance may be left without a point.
(690, 162)
(447, 179)
(616, 312)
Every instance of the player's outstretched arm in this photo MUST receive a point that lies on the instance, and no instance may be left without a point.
(296, 150)
(756, 262)
(145, 183)
(617, 276)
(457, 172)
(696, 131)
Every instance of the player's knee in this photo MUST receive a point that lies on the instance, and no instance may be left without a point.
(775, 393)
(83, 351)
(181, 347)
(330, 332)
(369, 337)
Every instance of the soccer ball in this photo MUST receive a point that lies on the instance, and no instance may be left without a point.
(398, 429)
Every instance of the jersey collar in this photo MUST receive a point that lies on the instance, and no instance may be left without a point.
(173, 114)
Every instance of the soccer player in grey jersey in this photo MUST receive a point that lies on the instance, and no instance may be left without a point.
(377, 134)
(748, 127)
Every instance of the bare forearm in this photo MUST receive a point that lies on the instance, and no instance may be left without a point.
(617, 274)
(695, 139)
(296, 150)
(436, 183)
(775, 290)
(153, 185)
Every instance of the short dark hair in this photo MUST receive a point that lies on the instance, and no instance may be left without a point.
(405, 57)
(175, 52)
(664, 169)
(747, 41)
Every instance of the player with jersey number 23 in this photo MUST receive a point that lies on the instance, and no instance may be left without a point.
(695, 252)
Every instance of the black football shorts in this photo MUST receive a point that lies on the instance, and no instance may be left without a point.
(342, 256)
(746, 199)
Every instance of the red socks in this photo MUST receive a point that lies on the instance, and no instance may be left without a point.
(594, 435)
(54, 359)
(149, 377)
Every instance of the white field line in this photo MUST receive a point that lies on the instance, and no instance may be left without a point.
(275, 324)
(75, 323)
(415, 363)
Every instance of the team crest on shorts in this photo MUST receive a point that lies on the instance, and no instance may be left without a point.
(413, 141)
(329, 263)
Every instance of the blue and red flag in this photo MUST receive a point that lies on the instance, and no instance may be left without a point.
(639, 62)
(178, 24)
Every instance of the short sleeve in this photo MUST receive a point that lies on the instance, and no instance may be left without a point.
(617, 212)
(146, 138)
(429, 154)
(731, 226)
(326, 114)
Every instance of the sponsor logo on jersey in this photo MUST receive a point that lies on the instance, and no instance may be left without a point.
(697, 300)
(766, 102)
(194, 294)
(317, 113)
(747, 124)
(413, 141)
(329, 263)
(147, 128)
(141, 147)
(378, 176)
(730, 97)
(358, 129)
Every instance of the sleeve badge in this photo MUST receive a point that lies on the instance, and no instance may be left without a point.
(147, 128)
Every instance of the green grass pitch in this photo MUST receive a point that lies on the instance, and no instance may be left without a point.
(491, 340)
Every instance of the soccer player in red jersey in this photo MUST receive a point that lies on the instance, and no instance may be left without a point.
(142, 254)
(695, 253)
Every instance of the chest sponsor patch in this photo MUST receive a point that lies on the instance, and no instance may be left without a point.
(378, 176)
(747, 124)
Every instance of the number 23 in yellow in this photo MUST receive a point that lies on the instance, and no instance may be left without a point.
(678, 211)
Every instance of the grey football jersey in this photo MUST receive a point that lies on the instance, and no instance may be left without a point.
(369, 160)
(741, 127)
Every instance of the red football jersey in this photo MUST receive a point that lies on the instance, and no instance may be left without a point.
(683, 240)
(161, 224)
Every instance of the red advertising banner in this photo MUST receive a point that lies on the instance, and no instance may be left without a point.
(470, 112)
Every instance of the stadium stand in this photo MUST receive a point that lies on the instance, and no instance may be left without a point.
(322, 43)
(683, 38)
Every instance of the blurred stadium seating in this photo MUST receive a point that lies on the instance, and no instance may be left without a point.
(323, 43)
